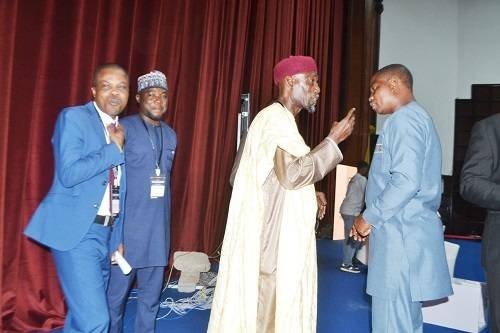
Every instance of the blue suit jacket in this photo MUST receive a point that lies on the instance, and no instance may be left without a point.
(402, 198)
(82, 163)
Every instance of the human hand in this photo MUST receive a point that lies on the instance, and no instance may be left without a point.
(116, 135)
(360, 229)
(342, 129)
(120, 249)
(321, 201)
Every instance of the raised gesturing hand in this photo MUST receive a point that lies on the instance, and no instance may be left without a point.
(342, 129)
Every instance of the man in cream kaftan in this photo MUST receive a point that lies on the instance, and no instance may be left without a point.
(267, 275)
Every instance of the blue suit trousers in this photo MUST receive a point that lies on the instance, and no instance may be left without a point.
(83, 272)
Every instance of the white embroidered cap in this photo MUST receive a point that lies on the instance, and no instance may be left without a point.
(154, 79)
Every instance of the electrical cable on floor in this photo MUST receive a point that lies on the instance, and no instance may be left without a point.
(200, 300)
(216, 253)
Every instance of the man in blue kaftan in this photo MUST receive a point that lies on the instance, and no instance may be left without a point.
(407, 257)
(149, 153)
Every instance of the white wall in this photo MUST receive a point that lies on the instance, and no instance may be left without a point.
(448, 45)
(423, 36)
(478, 44)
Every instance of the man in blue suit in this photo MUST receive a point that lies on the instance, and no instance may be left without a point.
(79, 219)
(149, 153)
(407, 257)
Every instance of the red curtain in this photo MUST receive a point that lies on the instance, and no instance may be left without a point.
(212, 51)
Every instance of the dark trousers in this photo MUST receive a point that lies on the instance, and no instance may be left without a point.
(149, 283)
(351, 246)
(491, 263)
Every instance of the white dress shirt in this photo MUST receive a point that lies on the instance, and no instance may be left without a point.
(106, 119)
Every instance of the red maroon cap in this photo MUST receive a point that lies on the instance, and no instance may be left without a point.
(293, 65)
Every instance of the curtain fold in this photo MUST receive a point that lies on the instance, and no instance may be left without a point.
(211, 51)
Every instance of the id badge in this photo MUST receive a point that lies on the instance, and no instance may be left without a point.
(115, 199)
(157, 187)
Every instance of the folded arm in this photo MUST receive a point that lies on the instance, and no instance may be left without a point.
(73, 164)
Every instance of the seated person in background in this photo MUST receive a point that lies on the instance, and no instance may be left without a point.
(351, 207)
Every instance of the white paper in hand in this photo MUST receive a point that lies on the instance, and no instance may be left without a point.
(122, 263)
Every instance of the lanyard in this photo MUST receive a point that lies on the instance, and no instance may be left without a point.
(157, 161)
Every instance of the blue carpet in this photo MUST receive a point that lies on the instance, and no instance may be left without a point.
(343, 305)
